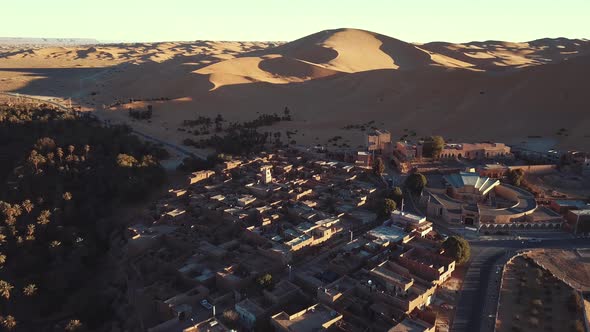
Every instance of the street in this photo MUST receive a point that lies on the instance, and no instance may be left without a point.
(476, 310)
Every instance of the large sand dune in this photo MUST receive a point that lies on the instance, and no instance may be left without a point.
(474, 91)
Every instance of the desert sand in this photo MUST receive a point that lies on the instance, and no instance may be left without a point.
(492, 90)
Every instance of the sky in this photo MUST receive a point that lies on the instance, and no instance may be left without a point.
(285, 20)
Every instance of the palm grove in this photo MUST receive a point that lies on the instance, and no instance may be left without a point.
(61, 177)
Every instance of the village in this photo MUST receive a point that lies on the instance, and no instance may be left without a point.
(300, 240)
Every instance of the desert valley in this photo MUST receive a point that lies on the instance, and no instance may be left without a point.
(346, 181)
(477, 91)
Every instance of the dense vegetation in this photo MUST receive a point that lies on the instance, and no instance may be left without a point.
(237, 138)
(62, 175)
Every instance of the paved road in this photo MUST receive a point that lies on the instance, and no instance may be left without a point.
(476, 310)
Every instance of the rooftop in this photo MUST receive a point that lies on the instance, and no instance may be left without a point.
(585, 212)
(311, 319)
(392, 277)
(411, 325)
(388, 233)
(571, 203)
(251, 307)
(407, 217)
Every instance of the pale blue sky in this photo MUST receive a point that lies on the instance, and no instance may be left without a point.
(409, 20)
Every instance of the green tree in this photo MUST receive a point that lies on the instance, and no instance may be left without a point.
(67, 196)
(396, 194)
(30, 290)
(86, 150)
(27, 205)
(43, 218)
(415, 183)
(516, 176)
(125, 160)
(45, 144)
(30, 232)
(73, 325)
(71, 149)
(457, 248)
(378, 166)
(265, 281)
(36, 159)
(389, 206)
(60, 154)
(433, 146)
(8, 322)
(5, 289)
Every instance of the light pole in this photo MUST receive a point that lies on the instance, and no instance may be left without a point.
(351, 235)
(290, 268)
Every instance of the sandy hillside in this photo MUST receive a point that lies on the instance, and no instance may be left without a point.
(474, 91)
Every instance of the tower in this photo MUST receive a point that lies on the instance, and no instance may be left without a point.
(266, 175)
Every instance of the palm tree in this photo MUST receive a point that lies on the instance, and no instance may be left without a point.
(67, 196)
(43, 218)
(5, 289)
(60, 154)
(9, 322)
(30, 232)
(2, 259)
(86, 150)
(73, 325)
(10, 221)
(36, 159)
(27, 205)
(50, 156)
(30, 290)
(71, 149)
(14, 210)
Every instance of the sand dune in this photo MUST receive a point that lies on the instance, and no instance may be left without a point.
(488, 90)
(498, 55)
(317, 56)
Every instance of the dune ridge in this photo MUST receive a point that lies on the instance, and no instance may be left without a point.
(490, 90)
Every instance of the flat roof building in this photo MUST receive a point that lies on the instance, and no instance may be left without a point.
(389, 234)
(475, 150)
(378, 140)
(315, 318)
